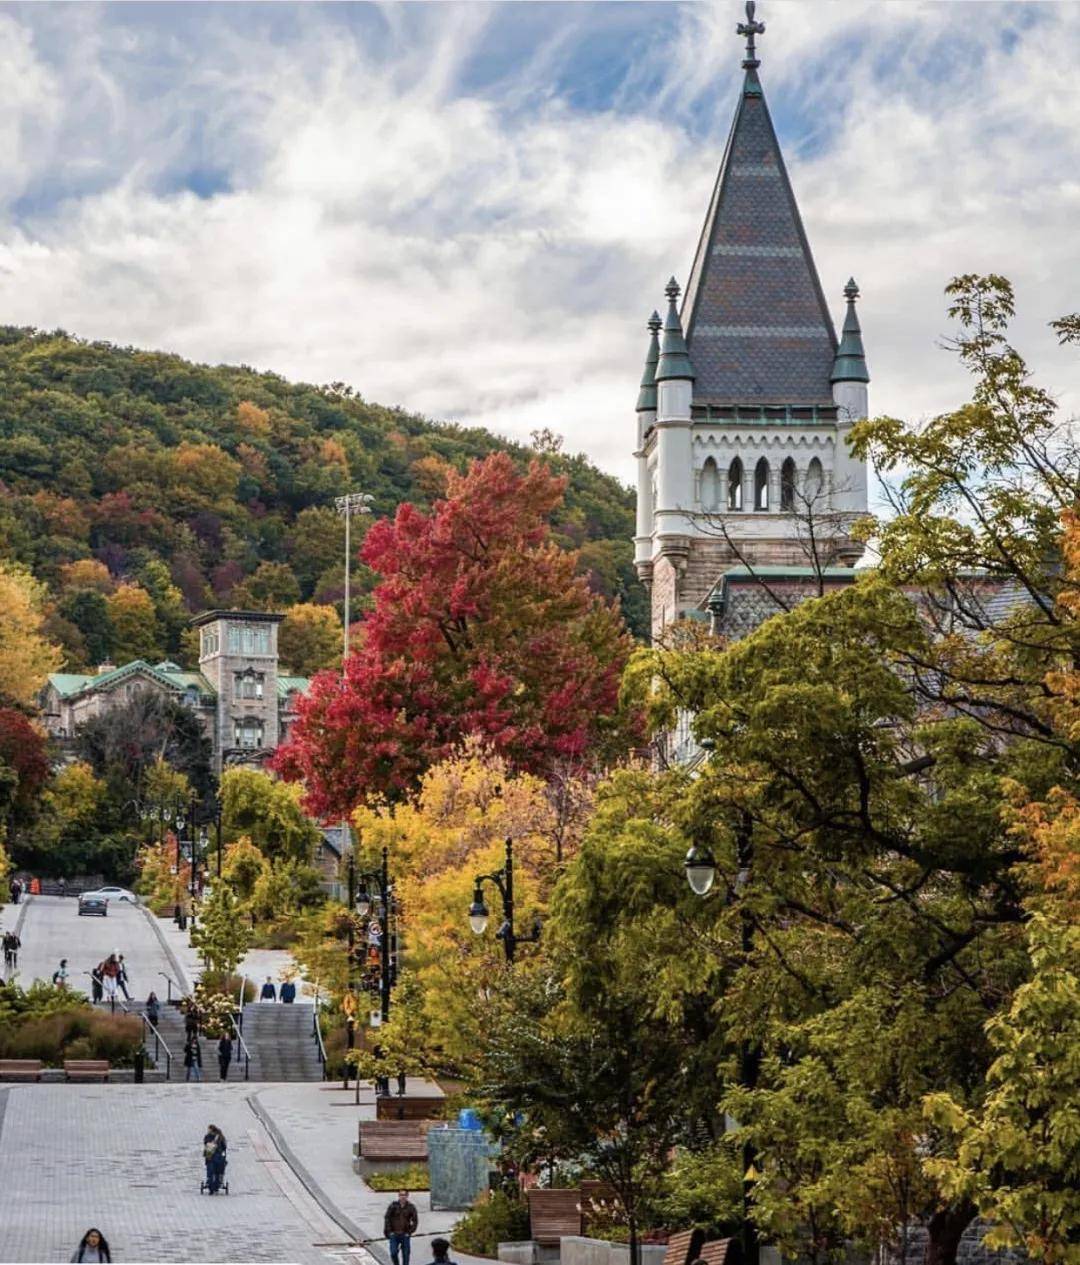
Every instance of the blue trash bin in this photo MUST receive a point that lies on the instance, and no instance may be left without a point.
(468, 1119)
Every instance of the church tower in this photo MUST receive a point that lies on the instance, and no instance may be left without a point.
(747, 398)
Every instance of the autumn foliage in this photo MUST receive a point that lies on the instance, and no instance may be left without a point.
(480, 627)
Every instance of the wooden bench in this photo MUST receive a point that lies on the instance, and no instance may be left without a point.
(20, 1069)
(721, 1252)
(684, 1248)
(410, 1107)
(553, 1215)
(86, 1070)
(393, 1140)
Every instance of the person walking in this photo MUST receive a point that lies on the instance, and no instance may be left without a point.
(15, 888)
(96, 986)
(122, 977)
(268, 993)
(191, 1024)
(192, 1060)
(153, 1009)
(288, 992)
(62, 884)
(215, 1147)
(110, 972)
(399, 1225)
(60, 975)
(92, 1248)
(12, 945)
(440, 1252)
(224, 1056)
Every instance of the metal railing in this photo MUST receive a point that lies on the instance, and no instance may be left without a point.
(159, 1041)
(243, 1048)
(318, 1032)
(240, 1001)
(170, 984)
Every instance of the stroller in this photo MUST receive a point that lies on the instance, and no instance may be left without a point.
(216, 1163)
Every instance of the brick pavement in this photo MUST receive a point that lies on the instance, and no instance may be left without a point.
(128, 1160)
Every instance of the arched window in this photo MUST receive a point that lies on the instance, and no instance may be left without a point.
(787, 486)
(734, 485)
(815, 481)
(710, 486)
(761, 485)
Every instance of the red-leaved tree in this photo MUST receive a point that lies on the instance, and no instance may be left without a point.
(480, 626)
(24, 768)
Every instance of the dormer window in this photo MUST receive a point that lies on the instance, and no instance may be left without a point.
(248, 684)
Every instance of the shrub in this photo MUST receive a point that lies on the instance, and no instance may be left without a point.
(495, 1218)
(415, 1177)
(75, 1033)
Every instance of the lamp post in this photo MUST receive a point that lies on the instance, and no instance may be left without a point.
(700, 873)
(350, 1021)
(503, 880)
(381, 880)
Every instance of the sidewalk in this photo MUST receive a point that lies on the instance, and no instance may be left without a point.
(256, 965)
(316, 1126)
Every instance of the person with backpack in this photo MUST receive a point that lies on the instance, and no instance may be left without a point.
(96, 986)
(122, 977)
(92, 1248)
(60, 975)
(153, 1009)
(110, 972)
(214, 1156)
(399, 1225)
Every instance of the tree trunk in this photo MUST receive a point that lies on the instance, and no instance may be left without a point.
(946, 1228)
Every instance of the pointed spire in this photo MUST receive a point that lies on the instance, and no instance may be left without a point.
(850, 362)
(674, 358)
(646, 400)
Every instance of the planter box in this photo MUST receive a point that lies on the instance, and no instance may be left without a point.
(579, 1250)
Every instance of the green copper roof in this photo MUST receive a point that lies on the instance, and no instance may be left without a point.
(850, 362)
(646, 400)
(68, 684)
(674, 358)
(286, 684)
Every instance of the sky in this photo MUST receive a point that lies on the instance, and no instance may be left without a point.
(471, 209)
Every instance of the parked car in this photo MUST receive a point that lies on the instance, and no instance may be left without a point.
(93, 903)
(114, 893)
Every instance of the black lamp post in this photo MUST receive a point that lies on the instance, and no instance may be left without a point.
(380, 879)
(700, 873)
(478, 912)
(350, 1021)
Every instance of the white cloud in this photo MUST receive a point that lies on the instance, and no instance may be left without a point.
(492, 258)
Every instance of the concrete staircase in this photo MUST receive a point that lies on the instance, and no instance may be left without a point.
(171, 1026)
(281, 1042)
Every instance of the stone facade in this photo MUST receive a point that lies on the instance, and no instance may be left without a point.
(244, 703)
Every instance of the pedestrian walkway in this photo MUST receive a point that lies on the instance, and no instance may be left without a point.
(317, 1126)
(127, 1159)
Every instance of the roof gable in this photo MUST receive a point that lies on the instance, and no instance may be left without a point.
(757, 325)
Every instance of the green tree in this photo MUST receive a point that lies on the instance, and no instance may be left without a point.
(136, 633)
(221, 936)
(272, 587)
(268, 812)
(309, 639)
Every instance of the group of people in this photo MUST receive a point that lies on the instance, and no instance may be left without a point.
(12, 945)
(269, 993)
(15, 889)
(193, 1050)
(400, 1223)
(108, 977)
(214, 1157)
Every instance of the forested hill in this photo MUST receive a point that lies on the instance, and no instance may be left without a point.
(128, 474)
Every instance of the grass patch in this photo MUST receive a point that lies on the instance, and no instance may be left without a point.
(415, 1177)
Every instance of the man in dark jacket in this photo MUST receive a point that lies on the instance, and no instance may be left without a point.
(399, 1225)
(224, 1057)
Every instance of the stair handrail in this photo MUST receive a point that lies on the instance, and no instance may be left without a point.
(170, 984)
(240, 1001)
(243, 1047)
(159, 1040)
(318, 1032)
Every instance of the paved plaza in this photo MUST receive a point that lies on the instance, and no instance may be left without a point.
(127, 1159)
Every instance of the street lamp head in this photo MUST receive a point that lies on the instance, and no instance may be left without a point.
(700, 870)
(363, 901)
(478, 913)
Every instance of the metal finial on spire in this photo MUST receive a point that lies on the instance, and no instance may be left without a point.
(851, 290)
(750, 28)
(672, 290)
(653, 323)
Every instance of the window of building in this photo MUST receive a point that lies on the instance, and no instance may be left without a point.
(761, 485)
(815, 481)
(210, 644)
(710, 486)
(248, 684)
(734, 485)
(787, 486)
(249, 639)
(249, 733)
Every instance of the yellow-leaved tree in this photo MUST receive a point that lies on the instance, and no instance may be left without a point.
(26, 655)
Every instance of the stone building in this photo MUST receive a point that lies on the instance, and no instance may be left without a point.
(246, 705)
(747, 401)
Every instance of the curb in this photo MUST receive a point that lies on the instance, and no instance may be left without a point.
(355, 1233)
(24, 904)
(174, 961)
